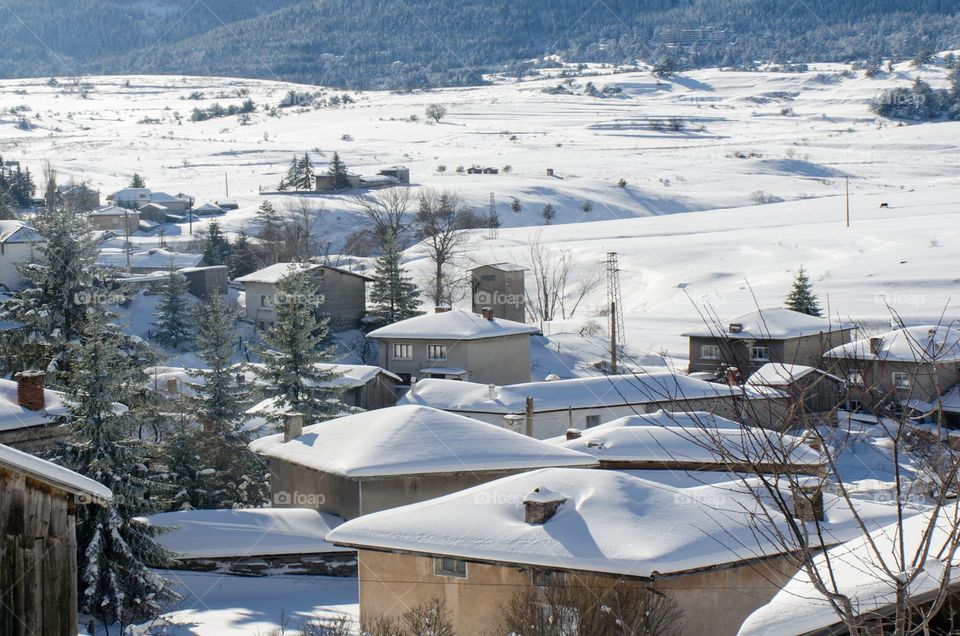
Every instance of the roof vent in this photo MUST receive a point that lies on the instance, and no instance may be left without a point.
(491, 391)
(735, 327)
(595, 443)
(441, 310)
(292, 426)
(553, 377)
(541, 505)
(573, 433)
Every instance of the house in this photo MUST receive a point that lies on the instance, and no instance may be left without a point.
(397, 175)
(400, 173)
(358, 464)
(547, 409)
(148, 261)
(343, 293)
(133, 198)
(253, 542)
(456, 344)
(38, 553)
(912, 365)
(477, 550)
(113, 218)
(491, 171)
(155, 212)
(862, 576)
(206, 282)
(79, 196)
(136, 198)
(752, 340)
(29, 413)
(227, 204)
(692, 442)
(208, 208)
(18, 244)
(499, 286)
(809, 389)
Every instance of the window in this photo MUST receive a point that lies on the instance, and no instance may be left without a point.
(402, 351)
(450, 567)
(855, 377)
(593, 420)
(545, 578)
(263, 300)
(901, 380)
(760, 354)
(436, 352)
(710, 352)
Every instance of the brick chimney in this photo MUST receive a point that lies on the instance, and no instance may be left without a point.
(573, 433)
(172, 386)
(808, 503)
(292, 426)
(876, 344)
(30, 393)
(441, 310)
(487, 313)
(540, 505)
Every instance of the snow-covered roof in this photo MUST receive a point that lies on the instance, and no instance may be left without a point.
(612, 522)
(409, 440)
(53, 474)
(859, 574)
(163, 197)
(112, 210)
(207, 207)
(769, 324)
(156, 258)
(589, 392)
(153, 206)
(452, 325)
(17, 232)
(130, 194)
(273, 273)
(504, 267)
(925, 343)
(199, 534)
(13, 416)
(690, 438)
(778, 374)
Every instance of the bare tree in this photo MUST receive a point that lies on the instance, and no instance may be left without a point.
(437, 226)
(557, 286)
(301, 230)
(431, 618)
(386, 214)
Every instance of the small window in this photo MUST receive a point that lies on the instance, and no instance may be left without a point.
(263, 300)
(403, 352)
(759, 354)
(710, 352)
(901, 380)
(450, 567)
(547, 578)
(436, 352)
(593, 420)
(855, 377)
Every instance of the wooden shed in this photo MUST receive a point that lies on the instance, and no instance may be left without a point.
(38, 543)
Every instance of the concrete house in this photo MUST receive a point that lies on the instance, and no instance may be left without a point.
(752, 340)
(808, 389)
(458, 345)
(38, 553)
(343, 293)
(358, 464)
(547, 409)
(478, 549)
(500, 287)
(80, 196)
(30, 412)
(116, 219)
(912, 367)
(18, 244)
(136, 198)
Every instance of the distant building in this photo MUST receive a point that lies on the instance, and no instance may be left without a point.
(154, 212)
(228, 204)
(457, 345)
(382, 459)
(18, 244)
(116, 219)
(397, 175)
(208, 208)
(147, 261)
(80, 197)
(809, 390)
(136, 198)
(750, 341)
(400, 173)
(343, 293)
(38, 554)
(499, 286)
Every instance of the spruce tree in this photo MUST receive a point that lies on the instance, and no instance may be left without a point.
(341, 179)
(295, 346)
(305, 173)
(801, 297)
(216, 247)
(114, 553)
(243, 257)
(394, 295)
(292, 178)
(137, 181)
(173, 310)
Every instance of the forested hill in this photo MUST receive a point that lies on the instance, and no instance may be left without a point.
(409, 43)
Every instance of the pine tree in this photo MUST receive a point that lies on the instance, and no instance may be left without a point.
(173, 310)
(243, 257)
(292, 177)
(516, 206)
(549, 213)
(394, 295)
(294, 348)
(801, 297)
(216, 247)
(341, 179)
(305, 173)
(113, 554)
(137, 181)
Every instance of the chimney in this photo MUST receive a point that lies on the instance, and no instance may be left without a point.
(441, 310)
(487, 313)
(540, 505)
(172, 386)
(573, 433)
(735, 327)
(529, 416)
(876, 344)
(413, 386)
(808, 502)
(549, 172)
(491, 391)
(30, 393)
(241, 378)
(513, 422)
(733, 376)
(292, 426)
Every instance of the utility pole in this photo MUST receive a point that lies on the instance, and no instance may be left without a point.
(847, 182)
(126, 235)
(226, 184)
(492, 219)
(615, 307)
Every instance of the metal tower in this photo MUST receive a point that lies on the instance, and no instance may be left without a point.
(615, 309)
(493, 219)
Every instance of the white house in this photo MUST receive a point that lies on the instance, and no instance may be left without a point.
(18, 244)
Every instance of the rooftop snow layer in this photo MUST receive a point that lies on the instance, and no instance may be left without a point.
(13, 416)
(275, 272)
(53, 474)
(924, 343)
(17, 232)
(769, 324)
(408, 440)
(239, 533)
(591, 392)
(612, 522)
(156, 258)
(452, 325)
(778, 374)
(859, 574)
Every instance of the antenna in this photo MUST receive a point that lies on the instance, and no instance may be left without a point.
(493, 219)
(615, 308)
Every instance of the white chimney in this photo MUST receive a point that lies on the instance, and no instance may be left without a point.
(292, 426)
(513, 422)
(491, 391)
